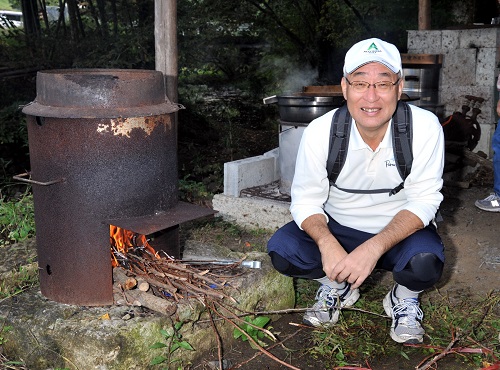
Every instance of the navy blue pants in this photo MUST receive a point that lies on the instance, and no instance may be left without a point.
(416, 262)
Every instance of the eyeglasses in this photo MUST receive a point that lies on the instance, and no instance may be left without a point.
(362, 86)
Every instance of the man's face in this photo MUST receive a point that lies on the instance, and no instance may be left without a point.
(373, 108)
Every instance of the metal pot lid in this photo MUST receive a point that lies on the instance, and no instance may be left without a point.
(100, 93)
(293, 100)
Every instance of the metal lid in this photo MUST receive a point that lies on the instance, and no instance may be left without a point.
(100, 93)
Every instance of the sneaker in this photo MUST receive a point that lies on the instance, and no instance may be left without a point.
(406, 318)
(328, 304)
(491, 203)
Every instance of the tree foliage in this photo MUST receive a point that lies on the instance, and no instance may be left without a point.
(256, 42)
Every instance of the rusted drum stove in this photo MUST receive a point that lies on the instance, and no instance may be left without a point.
(103, 151)
(296, 111)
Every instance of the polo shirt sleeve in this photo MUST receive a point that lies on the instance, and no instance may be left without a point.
(310, 185)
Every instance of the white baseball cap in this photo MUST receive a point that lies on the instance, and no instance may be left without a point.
(372, 50)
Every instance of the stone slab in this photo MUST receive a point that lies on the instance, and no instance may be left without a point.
(252, 212)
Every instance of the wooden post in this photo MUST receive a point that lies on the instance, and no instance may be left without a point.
(166, 61)
(166, 44)
(424, 14)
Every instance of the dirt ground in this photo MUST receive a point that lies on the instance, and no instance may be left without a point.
(472, 266)
(473, 260)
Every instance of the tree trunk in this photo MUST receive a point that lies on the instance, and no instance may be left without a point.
(30, 17)
(101, 5)
(73, 19)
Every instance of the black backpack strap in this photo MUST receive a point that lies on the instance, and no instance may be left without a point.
(401, 141)
(339, 140)
(402, 138)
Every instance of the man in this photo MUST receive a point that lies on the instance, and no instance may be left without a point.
(339, 237)
(492, 202)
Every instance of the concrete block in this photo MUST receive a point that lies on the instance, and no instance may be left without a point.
(486, 67)
(424, 41)
(478, 38)
(252, 212)
(460, 67)
(250, 172)
(450, 41)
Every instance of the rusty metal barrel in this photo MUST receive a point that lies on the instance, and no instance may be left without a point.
(103, 145)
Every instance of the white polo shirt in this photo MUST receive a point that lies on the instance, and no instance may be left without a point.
(366, 169)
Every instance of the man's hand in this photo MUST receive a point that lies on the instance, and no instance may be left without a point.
(330, 249)
(356, 266)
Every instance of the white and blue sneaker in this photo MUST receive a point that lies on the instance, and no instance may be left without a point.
(406, 318)
(329, 302)
(491, 203)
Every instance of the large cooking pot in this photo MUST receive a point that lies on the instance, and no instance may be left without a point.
(303, 109)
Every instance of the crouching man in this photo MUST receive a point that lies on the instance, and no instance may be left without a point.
(369, 217)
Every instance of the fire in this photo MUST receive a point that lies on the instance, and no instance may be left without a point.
(122, 241)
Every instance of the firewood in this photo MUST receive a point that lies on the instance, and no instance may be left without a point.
(120, 277)
(142, 285)
(150, 301)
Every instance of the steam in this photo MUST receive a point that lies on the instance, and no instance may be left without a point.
(292, 77)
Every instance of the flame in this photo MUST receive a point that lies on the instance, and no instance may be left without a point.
(122, 240)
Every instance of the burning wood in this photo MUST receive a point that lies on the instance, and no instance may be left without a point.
(122, 241)
(145, 278)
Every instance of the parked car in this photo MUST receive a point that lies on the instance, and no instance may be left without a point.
(10, 18)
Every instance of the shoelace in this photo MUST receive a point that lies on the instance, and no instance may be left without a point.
(330, 295)
(491, 197)
(410, 309)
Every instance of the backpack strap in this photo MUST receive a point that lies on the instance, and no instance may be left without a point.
(340, 131)
(401, 141)
(402, 133)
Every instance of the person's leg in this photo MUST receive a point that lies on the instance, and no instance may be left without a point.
(294, 253)
(492, 202)
(418, 263)
(495, 144)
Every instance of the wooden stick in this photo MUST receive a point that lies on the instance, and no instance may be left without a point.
(439, 356)
(152, 302)
(250, 339)
(142, 285)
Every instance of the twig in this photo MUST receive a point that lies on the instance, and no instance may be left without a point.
(250, 339)
(249, 323)
(439, 356)
(295, 310)
(270, 347)
(217, 336)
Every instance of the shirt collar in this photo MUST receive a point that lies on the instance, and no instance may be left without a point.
(357, 143)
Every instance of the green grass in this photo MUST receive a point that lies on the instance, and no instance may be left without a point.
(17, 219)
(361, 335)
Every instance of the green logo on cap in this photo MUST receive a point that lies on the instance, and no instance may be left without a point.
(372, 47)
